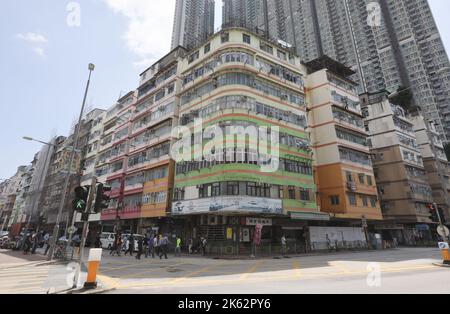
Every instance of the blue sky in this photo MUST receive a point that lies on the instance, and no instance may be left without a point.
(43, 62)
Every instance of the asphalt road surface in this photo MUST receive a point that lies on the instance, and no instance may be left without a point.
(405, 270)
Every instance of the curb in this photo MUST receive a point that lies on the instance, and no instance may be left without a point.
(441, 265)
(90, 291)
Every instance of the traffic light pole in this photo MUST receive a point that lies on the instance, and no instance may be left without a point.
(91, 198)
(446, 236)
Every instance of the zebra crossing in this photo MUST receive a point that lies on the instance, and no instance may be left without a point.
(33, 279)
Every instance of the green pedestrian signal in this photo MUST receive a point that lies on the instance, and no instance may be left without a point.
(81, 198)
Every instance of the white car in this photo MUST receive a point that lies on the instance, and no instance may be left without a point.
(107, 240)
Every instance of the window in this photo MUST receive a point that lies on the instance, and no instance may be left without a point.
(334, 200)
(281, 55)
(361, 178)
(253, 189)
(225, 37)
(291, 193)
(373, 202)
(246, 39)
(207, 48)
(365, 201)
(171, 89)
(369, 180)
(215, 189)
(304, 194)
(352, 199)
(266, 48)
(233, 188)
(349, 176)
(193, 57)
(179, 194)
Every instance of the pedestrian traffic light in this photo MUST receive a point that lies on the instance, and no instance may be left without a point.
(433, 213)
(101, 198)
(81, 197)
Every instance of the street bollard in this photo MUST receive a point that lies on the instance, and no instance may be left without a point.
(445, 251)
(95, 257)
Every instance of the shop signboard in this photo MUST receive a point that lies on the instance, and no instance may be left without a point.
(224, 204)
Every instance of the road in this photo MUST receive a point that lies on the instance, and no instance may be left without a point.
(31, 274)
(406, 270)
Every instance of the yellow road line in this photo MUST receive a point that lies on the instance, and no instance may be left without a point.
(296, 267)
(340, 266)
(251, 270)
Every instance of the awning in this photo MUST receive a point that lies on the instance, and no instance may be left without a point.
(316, 216)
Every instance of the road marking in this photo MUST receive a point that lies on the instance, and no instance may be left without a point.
(251, 270)
(271, 278)
(148, 271)
(340, 266)
(296, 267)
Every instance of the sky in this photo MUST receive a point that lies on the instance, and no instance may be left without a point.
(47, 46)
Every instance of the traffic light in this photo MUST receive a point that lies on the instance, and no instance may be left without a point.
(101, 199)
(81, 198)
(433, 213)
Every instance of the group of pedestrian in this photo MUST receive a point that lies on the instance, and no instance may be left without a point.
(30, 242)
(150, 245)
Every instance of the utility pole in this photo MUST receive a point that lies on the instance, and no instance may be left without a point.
(446, 236)
(69, 169)
(85, 218)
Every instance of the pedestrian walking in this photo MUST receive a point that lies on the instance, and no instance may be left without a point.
(190, 244)
(283, 245)
(35, 242)
(163, 247)
(27, 244)
(46, 242)
(150, 246)
(130, 244)
(140, 248)
(178, 247)
(156, 245)
(98, 242)
(203, 243)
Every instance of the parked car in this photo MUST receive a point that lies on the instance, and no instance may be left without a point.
(4, 234)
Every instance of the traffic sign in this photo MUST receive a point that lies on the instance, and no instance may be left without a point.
(443, 232)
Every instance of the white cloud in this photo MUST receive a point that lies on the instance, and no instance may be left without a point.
(39, 51)
(34, 38)
(149, 30)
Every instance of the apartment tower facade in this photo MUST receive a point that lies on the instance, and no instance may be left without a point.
(389, 44)
(193, 22)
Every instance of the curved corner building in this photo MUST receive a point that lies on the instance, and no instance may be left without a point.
(238, 81)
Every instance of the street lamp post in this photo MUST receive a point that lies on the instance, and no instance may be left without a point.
(69, 168)
(27, 138)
